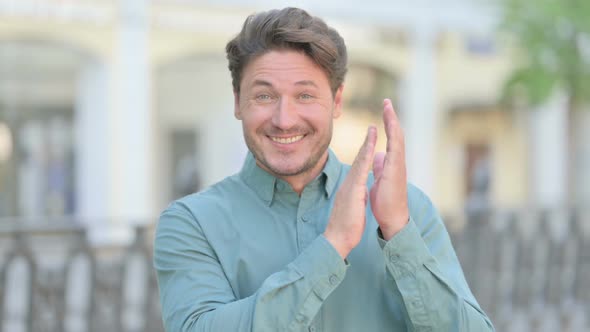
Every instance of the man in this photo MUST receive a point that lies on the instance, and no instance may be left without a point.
(297, 241)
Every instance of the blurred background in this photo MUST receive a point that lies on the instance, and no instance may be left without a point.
(111, 109)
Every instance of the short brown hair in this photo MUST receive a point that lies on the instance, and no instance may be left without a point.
(288, 28)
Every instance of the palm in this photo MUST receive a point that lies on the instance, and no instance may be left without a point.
(347, 220)
(389, 201)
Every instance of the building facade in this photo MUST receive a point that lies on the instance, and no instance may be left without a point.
(111, 109)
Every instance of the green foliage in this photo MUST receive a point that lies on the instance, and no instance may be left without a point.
(554, 38)
(533, 84)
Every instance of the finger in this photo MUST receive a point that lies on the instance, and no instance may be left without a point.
(392, 127)
(362, 163)
(378, 161)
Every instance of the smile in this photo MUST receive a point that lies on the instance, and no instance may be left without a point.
(287, 140)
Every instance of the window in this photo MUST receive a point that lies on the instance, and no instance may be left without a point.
(37, 177)
(367, 86)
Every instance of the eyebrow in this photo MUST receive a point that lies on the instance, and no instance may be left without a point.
(261, 82)
(267, 83)
(306, 82)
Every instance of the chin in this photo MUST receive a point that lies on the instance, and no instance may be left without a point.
(287, 170)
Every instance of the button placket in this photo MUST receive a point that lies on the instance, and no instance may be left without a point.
(305, 221)
(307, 234)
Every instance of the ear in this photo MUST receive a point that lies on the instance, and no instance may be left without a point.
(338, 102)
(237, 112)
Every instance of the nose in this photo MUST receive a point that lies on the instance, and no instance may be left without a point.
(285, 114)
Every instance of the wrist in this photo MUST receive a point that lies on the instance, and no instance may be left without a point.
(338, 243)
(389, 230)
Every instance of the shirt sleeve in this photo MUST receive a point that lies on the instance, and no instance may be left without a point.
(196, 296)
(425, 268)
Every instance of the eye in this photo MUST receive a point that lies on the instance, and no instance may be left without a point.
(305, 96)
(263, 97)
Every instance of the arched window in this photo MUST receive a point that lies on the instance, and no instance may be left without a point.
(366, 86)
(37, 87)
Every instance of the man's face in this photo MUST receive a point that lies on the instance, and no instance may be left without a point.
(287, 108)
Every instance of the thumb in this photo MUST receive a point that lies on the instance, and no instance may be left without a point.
(362, 163)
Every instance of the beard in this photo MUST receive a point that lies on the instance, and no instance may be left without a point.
(284, 167)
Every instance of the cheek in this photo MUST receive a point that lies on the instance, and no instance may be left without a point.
(253, 121)
(319, 118)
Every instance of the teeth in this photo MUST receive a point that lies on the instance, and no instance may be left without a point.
(287, 140)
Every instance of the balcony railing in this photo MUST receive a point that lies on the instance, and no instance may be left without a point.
(52, 280)
(530, 271)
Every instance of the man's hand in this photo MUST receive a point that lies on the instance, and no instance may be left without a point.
(389, 196)
(347, 220)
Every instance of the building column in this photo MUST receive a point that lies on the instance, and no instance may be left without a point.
(549, 153)
(91, 147)
(581, 168)
(131, 182)
(419, 113)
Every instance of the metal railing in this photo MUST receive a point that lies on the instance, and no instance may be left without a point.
(530, 271)
(52, 280)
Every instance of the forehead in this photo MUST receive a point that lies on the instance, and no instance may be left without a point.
(284, 67)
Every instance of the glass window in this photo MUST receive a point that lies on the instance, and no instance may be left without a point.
(185, 174)
(37, 174)
(366, 86)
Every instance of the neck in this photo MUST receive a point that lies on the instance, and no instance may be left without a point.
(300, 180)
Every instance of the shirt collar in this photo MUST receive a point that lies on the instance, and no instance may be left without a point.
(263, 183)
(332, 170)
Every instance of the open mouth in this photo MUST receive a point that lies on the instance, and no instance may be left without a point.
(287, 140)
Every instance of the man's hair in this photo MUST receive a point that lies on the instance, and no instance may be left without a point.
(288, 29)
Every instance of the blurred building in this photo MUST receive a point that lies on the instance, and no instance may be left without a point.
(111, 109)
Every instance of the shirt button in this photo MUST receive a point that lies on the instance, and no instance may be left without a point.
(333, 280)
(393, 257)
(304, 219)
(312, 329)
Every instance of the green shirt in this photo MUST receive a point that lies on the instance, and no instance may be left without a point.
(248, 254)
